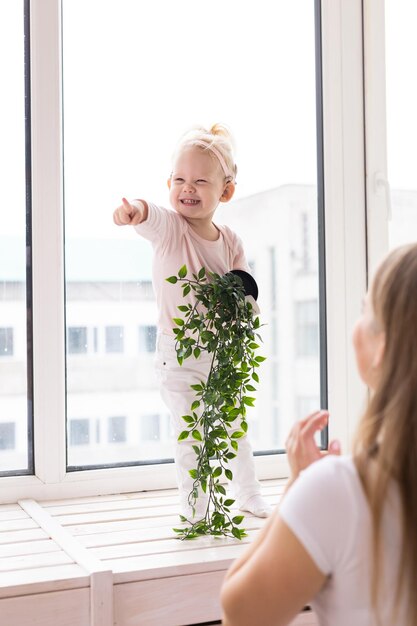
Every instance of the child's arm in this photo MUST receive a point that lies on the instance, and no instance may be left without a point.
(130, 214)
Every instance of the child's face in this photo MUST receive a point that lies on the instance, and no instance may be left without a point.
(197, 184)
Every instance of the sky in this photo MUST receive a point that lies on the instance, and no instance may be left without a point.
(137, 74)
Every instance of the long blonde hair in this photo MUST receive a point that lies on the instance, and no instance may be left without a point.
(385, 449)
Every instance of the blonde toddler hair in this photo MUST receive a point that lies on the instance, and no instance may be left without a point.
(218, 140)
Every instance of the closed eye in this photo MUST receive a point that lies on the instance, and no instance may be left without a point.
(201, 180)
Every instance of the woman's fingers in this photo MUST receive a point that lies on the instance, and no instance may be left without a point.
(302, 449)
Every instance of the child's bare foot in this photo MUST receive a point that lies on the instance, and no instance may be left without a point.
(258, 506)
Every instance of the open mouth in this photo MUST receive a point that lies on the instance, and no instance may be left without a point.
(189, 202)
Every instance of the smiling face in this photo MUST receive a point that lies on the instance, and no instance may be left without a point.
(368, 342)
(198, 184)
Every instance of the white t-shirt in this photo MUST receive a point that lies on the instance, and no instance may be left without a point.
(327, 510)
(175, 243)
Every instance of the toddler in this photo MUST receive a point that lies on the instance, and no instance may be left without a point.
(203, 175)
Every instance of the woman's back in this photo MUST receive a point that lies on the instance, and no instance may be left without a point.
(327, 510)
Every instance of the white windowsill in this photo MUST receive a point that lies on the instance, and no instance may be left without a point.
(107, 560)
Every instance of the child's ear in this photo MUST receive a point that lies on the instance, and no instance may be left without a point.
(169, 182)
(228, 192)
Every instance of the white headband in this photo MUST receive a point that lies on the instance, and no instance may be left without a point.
(209, 146)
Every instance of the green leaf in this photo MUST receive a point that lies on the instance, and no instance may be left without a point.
(196, 450)
(259, 359)
(250, 387)
(197, 352)
(172, 279)
(229, 474)
(238, 434)
(229, 502)
(197, 387)
(183, 272)
(255, 377)
(236, 533)
(196, 434)
(183, 307)
(195, 405)
(178, 320)
(244, 426)
(217, 472)
(186, 290)
(238, 519)
(188, 419)
(202, 273)
(183, 435)
(193, 473)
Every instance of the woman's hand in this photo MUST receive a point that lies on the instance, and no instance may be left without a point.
(302, 449)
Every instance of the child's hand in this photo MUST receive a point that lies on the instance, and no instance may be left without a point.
(127, 214)
(302, 449)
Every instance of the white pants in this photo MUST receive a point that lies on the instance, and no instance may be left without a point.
(175, 381)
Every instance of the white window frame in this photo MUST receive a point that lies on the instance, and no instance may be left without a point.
(345, 233)
(377, 185)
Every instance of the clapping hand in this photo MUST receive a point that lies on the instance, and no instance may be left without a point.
(302, 449)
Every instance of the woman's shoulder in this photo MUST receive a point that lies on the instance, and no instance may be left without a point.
(333, 469)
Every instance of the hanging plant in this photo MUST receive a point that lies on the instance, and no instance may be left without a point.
(221, 322)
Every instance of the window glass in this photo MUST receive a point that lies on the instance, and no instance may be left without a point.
(117, 429)
(147, 338)
(79, 432)
(124, 110)
(77, 340)
(114, 338)
(15, 403)
(401, 53)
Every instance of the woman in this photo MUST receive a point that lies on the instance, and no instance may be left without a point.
(345, 535)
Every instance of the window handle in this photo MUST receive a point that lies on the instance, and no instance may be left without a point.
(381, 184)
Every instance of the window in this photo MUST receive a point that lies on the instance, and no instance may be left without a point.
(79, 432)
(6, 342)
(7, 435)
(15, 244)
(77, 340)
(401, 90)
(147, 338)
(306, 316)
(116, 429)
(107, 268)
(114, 339)
(271, 108)
(150, 428)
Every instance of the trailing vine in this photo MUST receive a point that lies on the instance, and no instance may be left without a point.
(220, 322)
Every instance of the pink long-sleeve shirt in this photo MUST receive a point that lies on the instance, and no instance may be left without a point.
(175, 243)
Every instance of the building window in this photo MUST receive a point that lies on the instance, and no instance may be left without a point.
(7, 436)
(116, 432)
(114, 339)
(307, 329)
(79, 432)
(150, 427)
(147, 338)
(6, 342)
(77, 340)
